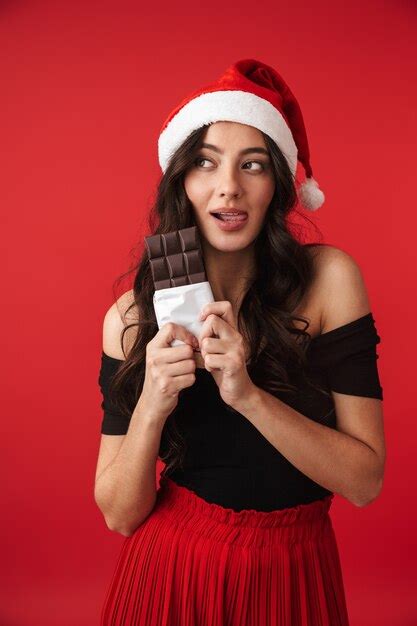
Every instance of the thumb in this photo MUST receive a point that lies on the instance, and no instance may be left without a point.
(176, 331)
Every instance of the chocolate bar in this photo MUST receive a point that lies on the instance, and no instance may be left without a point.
(176, 258)
(179, 276)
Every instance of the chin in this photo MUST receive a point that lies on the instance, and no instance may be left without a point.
(236, 245)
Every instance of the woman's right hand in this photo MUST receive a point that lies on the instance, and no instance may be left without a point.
(168, 369)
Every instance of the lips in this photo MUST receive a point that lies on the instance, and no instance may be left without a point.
(230, 215)
(238, 217)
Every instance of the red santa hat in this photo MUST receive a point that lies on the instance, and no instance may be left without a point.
(253, 93)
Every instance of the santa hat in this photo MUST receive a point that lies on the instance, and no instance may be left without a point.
(252, 93)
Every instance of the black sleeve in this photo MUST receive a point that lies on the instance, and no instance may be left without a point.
(348, 357)
(113, 421)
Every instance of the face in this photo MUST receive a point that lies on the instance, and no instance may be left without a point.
(235, 172)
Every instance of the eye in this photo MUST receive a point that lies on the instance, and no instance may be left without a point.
(258, 162)
(198, 159)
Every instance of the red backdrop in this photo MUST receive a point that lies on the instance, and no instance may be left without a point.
(85, 89)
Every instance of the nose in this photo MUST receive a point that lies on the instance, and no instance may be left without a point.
(229, 184)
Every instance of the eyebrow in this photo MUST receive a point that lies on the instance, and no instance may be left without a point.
(257, 149)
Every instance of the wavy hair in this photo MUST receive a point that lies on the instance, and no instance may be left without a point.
(284, 270)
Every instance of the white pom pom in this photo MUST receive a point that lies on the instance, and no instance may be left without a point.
(311, 197)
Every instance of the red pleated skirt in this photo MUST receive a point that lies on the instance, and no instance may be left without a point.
(195, 563)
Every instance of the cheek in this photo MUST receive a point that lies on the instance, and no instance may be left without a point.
(193, 188)
(266, 194)
(258, 189)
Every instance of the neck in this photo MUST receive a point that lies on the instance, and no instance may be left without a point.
(229, 273)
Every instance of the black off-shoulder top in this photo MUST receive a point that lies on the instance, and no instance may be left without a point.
(228, 461)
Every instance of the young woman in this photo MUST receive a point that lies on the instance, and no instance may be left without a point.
(259, 421)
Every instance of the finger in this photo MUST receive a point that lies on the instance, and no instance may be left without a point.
(176, 354)
(216, 362)
(215, 325)
(213, 345)
(171, 331)
(222, 308)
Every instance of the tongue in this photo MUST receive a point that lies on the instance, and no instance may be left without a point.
(230, 218)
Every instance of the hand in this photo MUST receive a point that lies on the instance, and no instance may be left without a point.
(224, 355)
(169, 369)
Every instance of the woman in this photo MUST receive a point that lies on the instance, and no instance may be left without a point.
(258, 421)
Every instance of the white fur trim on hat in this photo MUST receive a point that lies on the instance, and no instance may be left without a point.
(310, 195)
(232, 106)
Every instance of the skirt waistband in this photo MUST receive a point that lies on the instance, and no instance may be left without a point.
(186, 508)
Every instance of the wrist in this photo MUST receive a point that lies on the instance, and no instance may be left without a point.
(249, 401)
(149, 414)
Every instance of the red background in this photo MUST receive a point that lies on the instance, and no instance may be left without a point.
(86, 87)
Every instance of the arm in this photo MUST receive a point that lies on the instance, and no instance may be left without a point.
(125, 491)
(125, 484)
(350, 460)
(333, 459)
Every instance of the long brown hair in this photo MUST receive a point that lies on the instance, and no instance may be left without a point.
(284, 272)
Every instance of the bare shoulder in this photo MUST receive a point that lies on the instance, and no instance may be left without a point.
(327, 256)
(122, 313)
(340, 287)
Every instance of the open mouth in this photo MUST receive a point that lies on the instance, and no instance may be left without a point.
(230, 218)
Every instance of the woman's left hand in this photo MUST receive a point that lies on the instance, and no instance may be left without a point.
(224, 356)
